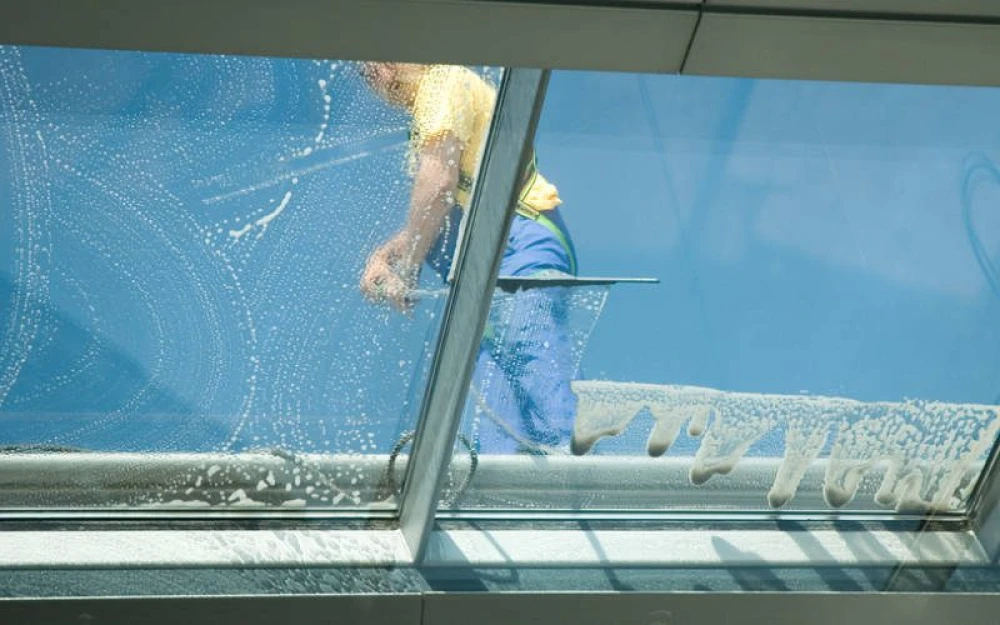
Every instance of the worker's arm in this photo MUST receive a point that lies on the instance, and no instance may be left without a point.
(393, 268)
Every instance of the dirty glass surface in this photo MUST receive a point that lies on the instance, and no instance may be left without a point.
(822, 336)
(181, 243)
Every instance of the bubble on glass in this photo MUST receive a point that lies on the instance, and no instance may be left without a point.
(182, 241)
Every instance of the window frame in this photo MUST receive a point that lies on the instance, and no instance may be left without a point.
(688, 37)
(505, 156)
(938, 8)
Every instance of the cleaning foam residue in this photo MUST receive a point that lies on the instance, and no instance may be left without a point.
(927, 449)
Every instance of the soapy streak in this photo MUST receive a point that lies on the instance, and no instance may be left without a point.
(264, 221)
(930, 447)
(305, 171)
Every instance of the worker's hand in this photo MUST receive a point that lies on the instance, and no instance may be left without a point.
(388, 278)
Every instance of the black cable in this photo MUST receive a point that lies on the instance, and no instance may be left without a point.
(979, 164)
(388, 486)
(42, 448)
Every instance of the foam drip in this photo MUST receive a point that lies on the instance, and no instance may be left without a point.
(927, 449)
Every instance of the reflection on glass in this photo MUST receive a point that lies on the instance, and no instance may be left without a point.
(823, 334)
(521, 400)
(182, 241)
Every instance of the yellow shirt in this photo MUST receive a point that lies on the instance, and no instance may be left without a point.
(452, 100)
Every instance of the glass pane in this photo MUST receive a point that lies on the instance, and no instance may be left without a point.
(182, 241)
(822, 336)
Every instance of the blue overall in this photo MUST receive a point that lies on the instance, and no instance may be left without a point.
(520, 388)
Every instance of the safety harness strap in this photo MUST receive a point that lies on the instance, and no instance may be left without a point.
(542, 219)
(528, 178)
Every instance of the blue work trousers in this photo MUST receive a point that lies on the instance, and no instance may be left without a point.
(520, 400)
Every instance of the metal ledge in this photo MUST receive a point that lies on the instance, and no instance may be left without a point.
(711, 608)
(42, 484)
(628, 608)
(483, 238)
(636, 483)
(688, 542)
(924, 42)
(865, 50)
(701, 548)
(485, 548)
(278, 485)
(455, 31)
(915, 8)
(200, 548)
(394, 609)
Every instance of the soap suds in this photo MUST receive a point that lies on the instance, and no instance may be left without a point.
(926, 448)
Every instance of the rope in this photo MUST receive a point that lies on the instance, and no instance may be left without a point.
(388, 487)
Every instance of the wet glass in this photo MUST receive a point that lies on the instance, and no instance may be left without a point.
(822, 337)
(181, 243)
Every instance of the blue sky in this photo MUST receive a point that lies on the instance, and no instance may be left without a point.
(809, 237)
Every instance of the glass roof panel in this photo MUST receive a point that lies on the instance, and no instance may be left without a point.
(182, 240)
(822, 336)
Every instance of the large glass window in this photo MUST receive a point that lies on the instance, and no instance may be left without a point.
(253, 360)
(742, 337)
(822, 336)
(182, 240)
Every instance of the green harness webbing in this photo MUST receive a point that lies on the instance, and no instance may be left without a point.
(540, 218)
(465, 183)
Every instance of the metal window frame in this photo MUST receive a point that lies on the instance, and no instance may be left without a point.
(789, 45)
(387, 608)
(506, 154)
(689, 608)
(984, 509)
(927, 9)
(918, 41)
(650, 37)
(509, 544)
(807, 39)
(711, 608)
(474, 536)
(109, 486)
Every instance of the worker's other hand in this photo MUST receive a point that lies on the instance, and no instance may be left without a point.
(388, 279)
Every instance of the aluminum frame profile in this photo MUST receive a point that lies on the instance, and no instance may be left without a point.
(682, 548)
(910, 41)
(484, 545)
(966, 9)
(116, 487)
(519, 103)
(984, 510)
(814, 47)
(648, 38)
(743, 45)
(629, 608)
(382, 609)
(788, 608)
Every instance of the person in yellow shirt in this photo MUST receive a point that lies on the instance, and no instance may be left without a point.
(524, 367)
